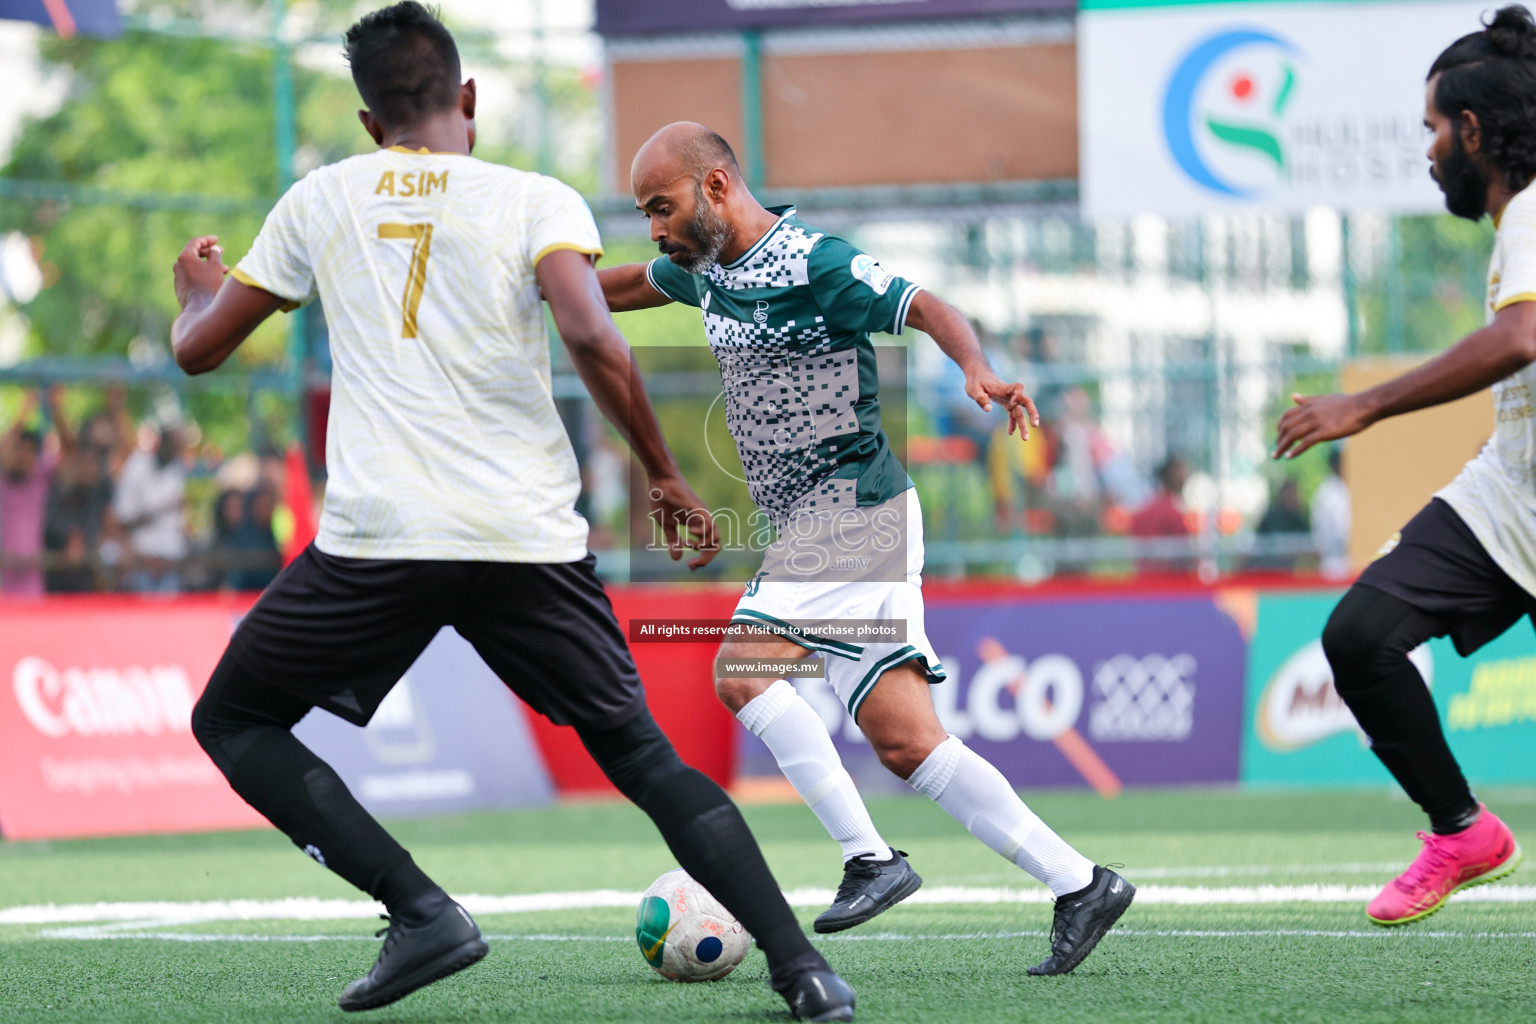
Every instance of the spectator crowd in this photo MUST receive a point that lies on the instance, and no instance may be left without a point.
(1073, 483)
(104, 506)
(110, 504)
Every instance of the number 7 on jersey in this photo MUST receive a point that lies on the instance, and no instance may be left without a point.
(416, 279)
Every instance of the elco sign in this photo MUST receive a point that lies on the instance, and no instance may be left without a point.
(1142, 690)
(1188, 109)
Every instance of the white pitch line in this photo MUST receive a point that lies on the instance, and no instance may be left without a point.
(88, 933)
(1374, 933)
(1264, 870)
(1139, 875)
(139, 915)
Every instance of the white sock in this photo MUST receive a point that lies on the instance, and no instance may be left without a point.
(798, 739)
(977, 796)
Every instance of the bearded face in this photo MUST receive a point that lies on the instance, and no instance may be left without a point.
(698, 244)
(1463, 182)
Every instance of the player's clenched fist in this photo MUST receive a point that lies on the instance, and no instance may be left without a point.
(199, 268)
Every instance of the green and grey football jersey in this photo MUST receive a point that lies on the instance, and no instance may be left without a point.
(789, 323)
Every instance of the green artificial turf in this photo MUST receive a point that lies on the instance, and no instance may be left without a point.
(933, 963)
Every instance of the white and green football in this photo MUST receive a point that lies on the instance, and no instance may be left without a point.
(685, 934)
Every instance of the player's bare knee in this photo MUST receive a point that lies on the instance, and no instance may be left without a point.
(903, 756)
(738, 693)
(900, 744)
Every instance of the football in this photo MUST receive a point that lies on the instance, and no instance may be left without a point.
(685, 934)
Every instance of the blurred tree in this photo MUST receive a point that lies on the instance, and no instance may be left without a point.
(145, 113)
(168, 115)
(1430, 291)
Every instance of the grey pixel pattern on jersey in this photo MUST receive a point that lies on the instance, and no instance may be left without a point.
(789, 325)
(781, 406)
(784, 261)
(786, 391)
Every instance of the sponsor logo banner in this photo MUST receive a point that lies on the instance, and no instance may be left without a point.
(1102, 693)
(95, 735)
(1198, 108)
(67, 17)
(1298, 731)
(449, 737)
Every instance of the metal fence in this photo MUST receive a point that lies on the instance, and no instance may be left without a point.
(1141, 341)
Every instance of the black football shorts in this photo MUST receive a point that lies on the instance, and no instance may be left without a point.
(1441, 568)
(340, 632)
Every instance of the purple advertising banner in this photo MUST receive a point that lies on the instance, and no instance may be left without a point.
(67, 17)
(1138, 691)
(646, 17)
(449, 737)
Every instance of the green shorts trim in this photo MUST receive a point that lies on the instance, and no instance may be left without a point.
(935, 674)
(749, 617)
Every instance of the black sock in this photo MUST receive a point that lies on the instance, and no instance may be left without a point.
(305, 798)
(410, 895)
(783, 974)
(1449, 825)
(244, 726)
(707, 834)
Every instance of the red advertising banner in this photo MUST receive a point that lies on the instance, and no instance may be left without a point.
(679, 686)
(95, 706)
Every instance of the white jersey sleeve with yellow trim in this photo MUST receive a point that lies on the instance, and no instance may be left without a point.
(278, 261)
(443, 440)
(558, 218)
(1514, 279)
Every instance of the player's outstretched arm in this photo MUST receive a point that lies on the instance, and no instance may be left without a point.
(216, 315)
(1480, 360)
(627, 288)
(607, 366)
(949, 328)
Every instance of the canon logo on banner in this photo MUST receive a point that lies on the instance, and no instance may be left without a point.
(103, 701)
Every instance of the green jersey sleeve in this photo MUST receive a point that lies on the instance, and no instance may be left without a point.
(672, 281)
(855, 292)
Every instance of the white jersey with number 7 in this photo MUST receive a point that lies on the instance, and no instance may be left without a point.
(443, 441)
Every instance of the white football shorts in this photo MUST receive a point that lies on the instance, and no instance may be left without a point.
(836, 581)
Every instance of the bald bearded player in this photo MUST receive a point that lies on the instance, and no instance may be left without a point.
(788, 311)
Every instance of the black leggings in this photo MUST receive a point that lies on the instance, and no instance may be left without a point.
(1367, 641)
(245, 726)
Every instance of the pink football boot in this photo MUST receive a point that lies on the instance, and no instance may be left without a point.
(1484, 852)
